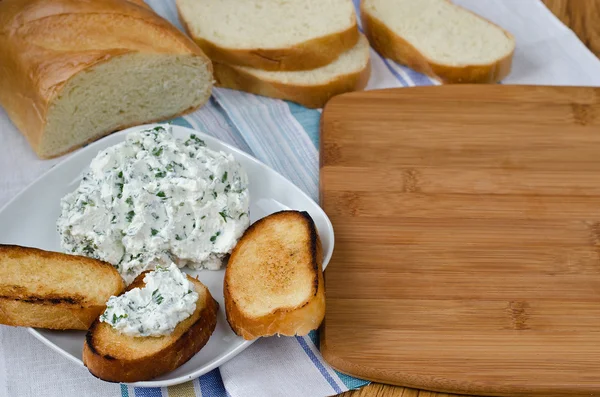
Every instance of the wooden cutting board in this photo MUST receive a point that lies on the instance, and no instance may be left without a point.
(467, 253)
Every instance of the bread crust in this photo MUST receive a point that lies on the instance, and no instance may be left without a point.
(288, 321)
(123, 369)
(310, 96)
(390, 45)
(37, 61)
(307, 55)
(47, 308)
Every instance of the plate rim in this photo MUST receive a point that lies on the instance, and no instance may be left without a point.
(246, 343)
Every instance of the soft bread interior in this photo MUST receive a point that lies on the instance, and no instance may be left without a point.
(352, 61)
(276, 271)
(110, 342)
(127, 90)
(265, 24)
(48, 277)
(443, 32)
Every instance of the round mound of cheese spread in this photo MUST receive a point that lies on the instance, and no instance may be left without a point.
(154, 199)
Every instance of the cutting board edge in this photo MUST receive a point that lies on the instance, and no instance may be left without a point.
(443, 386)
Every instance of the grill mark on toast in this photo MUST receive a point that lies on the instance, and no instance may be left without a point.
(47, 300)
(89, 338)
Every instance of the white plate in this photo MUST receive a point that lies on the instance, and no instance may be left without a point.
(30, 220)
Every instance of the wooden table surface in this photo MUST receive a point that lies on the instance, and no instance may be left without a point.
(583, 16)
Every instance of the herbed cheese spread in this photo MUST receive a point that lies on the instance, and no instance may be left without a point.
(154, 199)
(154, 310)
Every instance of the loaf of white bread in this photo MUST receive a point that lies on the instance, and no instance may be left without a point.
(72, 71)
(303, 51)
(439, 38)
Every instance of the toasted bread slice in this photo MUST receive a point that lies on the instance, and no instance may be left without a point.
(115, 357)
(274, 278)
(53, 290)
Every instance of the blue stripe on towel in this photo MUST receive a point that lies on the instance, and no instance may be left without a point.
(350, 382)
(148, 392)
(182, 122)
(211, 384)
(309, 119)
(418, 78)
(318, 364)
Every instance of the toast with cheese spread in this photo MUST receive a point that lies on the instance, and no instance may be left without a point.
(45, 289)
(116, 357)
(274, 278)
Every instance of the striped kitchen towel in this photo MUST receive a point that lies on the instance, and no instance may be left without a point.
(286, 137)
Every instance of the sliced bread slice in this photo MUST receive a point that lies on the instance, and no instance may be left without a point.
(271, 34)
(274, 278)
(311, 88)
(440, 39)
(52, 290)
(115, 357)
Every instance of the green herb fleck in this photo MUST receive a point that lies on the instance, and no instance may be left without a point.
(242, 214)
(203, 216)
(224, 178)
(161, 194)
(114, 219)
(157, 297)
(129, 200)
(117, 318)
(211, 177)
(88, 249)
(160, 174)
(170, 167)
(157, 151)
(215, 194)
(120, 174)
(223, 215)
(154, 232)
(177, 237)
(214, 237)
(130, 216)
(195, 140)
(120, 186)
